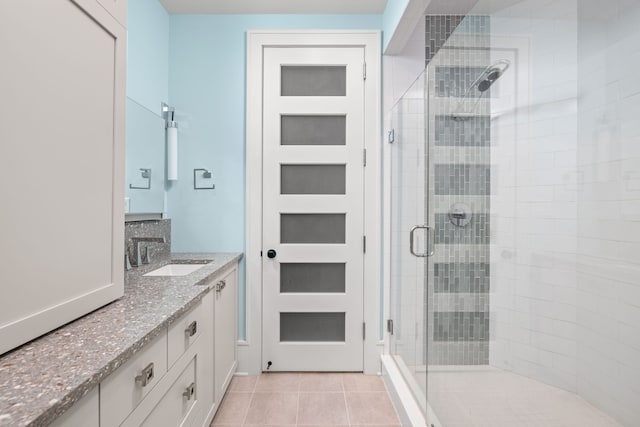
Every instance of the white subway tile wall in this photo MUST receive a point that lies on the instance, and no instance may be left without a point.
(565, 210)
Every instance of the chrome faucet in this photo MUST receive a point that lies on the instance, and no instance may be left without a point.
(135, 251)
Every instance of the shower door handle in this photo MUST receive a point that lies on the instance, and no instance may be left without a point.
(430, 240)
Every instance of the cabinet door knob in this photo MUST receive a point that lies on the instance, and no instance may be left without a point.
(189, 391)
(271, 253)
(220, 286)
(192, 329)
(146, 375)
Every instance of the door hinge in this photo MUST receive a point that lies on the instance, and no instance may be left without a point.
(364, 330)
(390, 326)
(364, 71)
(391, 136)
(364, 157)
(364, 244)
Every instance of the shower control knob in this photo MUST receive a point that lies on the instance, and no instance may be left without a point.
(271, 253)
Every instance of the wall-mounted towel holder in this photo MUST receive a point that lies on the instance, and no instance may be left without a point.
(146, 174)
(205, 174)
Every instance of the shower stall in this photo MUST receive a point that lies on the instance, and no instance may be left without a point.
(515, 218)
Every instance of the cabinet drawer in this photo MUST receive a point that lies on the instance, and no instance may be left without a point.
(123, 390)
(178, 406)
(83, 413)
(184, 332)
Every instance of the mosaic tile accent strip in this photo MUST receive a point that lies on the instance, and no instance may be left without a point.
(438, 29)
(471, 132)
(463, 179)
(446, 301)
(461, 326)
(459, 168)
(461, 253)
(461, 277)
(476, 232)
(454, 82)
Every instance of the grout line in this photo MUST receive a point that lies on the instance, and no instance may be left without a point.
(298, 406)
(344, 396)
(253, 393)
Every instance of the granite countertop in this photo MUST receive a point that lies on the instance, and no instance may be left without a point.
(43, 378)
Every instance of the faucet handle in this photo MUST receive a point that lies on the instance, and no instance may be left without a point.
(140, 258)
(148, 252)
(127, 262)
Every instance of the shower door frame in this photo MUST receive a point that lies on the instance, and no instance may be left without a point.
(428, 245)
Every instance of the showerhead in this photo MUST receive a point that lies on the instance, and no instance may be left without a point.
(484, 85)
(484, 81)
(491, 74)
(494, 74)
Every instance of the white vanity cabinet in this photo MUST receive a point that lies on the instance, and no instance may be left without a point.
(180, 377)
(180, 396)
(122, 391)
(226, 306)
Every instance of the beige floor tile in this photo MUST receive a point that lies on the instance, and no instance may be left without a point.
(321, 382)
(273, 408)
(243, 383)
(278, 382)
(322, 409)
(370, 408)
(360, 382)
(233, 408)
(330, 425)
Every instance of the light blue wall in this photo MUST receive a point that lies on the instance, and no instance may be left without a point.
(207, 86)
(391, 18)
(148, 53)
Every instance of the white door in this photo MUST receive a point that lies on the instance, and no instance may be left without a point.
(313, 203)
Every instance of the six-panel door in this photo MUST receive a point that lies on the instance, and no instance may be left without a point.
(313, 182)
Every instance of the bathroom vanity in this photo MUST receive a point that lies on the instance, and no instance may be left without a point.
(162, 355)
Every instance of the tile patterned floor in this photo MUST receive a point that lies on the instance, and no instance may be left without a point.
(307, 399)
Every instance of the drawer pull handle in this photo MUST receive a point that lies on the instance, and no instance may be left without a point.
(189, 391)
(146, 376)
(192, 329)
(220, 286)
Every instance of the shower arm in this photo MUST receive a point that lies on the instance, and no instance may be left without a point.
(473, 85)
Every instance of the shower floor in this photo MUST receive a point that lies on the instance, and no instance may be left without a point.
(486, 396)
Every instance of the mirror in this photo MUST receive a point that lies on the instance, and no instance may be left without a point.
(145, 169)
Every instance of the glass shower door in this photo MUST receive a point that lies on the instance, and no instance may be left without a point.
(409, 240)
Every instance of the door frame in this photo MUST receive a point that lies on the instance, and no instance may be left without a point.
(250, 349)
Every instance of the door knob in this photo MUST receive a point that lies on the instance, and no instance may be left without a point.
(271, 253)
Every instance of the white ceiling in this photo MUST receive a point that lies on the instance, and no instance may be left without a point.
(275, 6)
(449, 7)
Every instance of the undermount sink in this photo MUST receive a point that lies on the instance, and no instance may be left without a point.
(175, 270)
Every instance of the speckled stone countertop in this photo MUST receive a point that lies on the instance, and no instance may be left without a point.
(43, 378)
